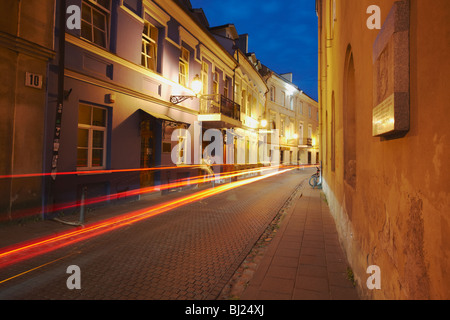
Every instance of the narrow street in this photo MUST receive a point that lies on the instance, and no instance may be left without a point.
(190, 252)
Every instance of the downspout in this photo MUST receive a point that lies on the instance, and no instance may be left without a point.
(60, 100)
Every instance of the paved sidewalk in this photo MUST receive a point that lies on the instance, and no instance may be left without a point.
(304, 260)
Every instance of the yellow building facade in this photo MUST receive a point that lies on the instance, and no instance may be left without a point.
(383, 99)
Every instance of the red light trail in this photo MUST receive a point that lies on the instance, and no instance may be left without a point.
(27, 250)
(175, 184)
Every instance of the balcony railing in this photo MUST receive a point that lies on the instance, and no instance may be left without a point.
(219, 104)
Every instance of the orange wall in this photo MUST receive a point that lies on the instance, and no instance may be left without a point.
(397, 217)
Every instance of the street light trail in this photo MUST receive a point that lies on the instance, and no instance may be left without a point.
(66, 173)
(175, 184)
(40, 246)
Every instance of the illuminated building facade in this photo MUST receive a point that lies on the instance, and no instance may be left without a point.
(295, 115)
(383, 100)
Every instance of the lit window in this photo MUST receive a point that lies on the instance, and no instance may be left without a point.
(95, 20)
(149, 46)
(91, 147)
(216, 83)
(184, 67)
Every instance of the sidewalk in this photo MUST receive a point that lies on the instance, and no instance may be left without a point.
(304, 261)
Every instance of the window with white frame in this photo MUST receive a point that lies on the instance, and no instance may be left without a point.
(92, 132)
(291, 128)
(205, 86)
(184, 67)
(216, 82)
(272, 93)
(149, 46)
(95, 15)
(283, 98)
(300, 132)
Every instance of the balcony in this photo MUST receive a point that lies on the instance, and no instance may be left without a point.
(305, 142)
(217, 111)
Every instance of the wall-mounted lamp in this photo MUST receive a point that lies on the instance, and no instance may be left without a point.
(263, 123)
(197, 86)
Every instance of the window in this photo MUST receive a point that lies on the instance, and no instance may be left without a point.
(91, 148)
(184, 67)
(149, 46)
(283, 97)
(226, 86)
(301, 107)
(216, 83)
(166, 147)
(309, 111)
(94, 21)
(244, 101)
(205, 72)
(133, 5)
(300, 133)
(272, 93)
(248, 110)
(291, 102)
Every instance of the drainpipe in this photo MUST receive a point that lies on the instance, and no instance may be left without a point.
(60, 101)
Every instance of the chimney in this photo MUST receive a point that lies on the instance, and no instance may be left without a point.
(287, 76)
(243, 43)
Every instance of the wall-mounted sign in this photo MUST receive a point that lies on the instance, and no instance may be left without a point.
(33, 80)
(384, 117)
(391, 69)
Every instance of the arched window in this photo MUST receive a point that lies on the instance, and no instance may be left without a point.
(333, 133)
(349, 116)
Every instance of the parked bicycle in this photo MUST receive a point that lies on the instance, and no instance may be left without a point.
(315, 180)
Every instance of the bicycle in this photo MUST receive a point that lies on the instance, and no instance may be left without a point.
(315, 180)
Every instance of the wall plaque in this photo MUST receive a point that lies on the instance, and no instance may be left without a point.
(391, 73)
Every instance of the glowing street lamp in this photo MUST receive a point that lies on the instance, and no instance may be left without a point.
(263, 123)
(197, 85)
(196, 88)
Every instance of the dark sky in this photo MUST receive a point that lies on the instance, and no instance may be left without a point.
(282, 33)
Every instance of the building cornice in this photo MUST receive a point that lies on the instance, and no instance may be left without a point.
(124, 90)
(203, 35)
(27, 47)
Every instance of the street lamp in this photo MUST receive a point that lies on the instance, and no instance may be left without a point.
(196, 88)
(263, 123)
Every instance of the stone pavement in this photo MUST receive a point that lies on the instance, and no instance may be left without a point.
(304, 260)
(187, 253)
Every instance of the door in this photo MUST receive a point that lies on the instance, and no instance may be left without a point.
(147, 177)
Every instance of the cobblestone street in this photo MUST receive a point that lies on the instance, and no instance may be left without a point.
(188, 253)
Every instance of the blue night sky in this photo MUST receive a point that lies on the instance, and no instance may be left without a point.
(282, 33)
